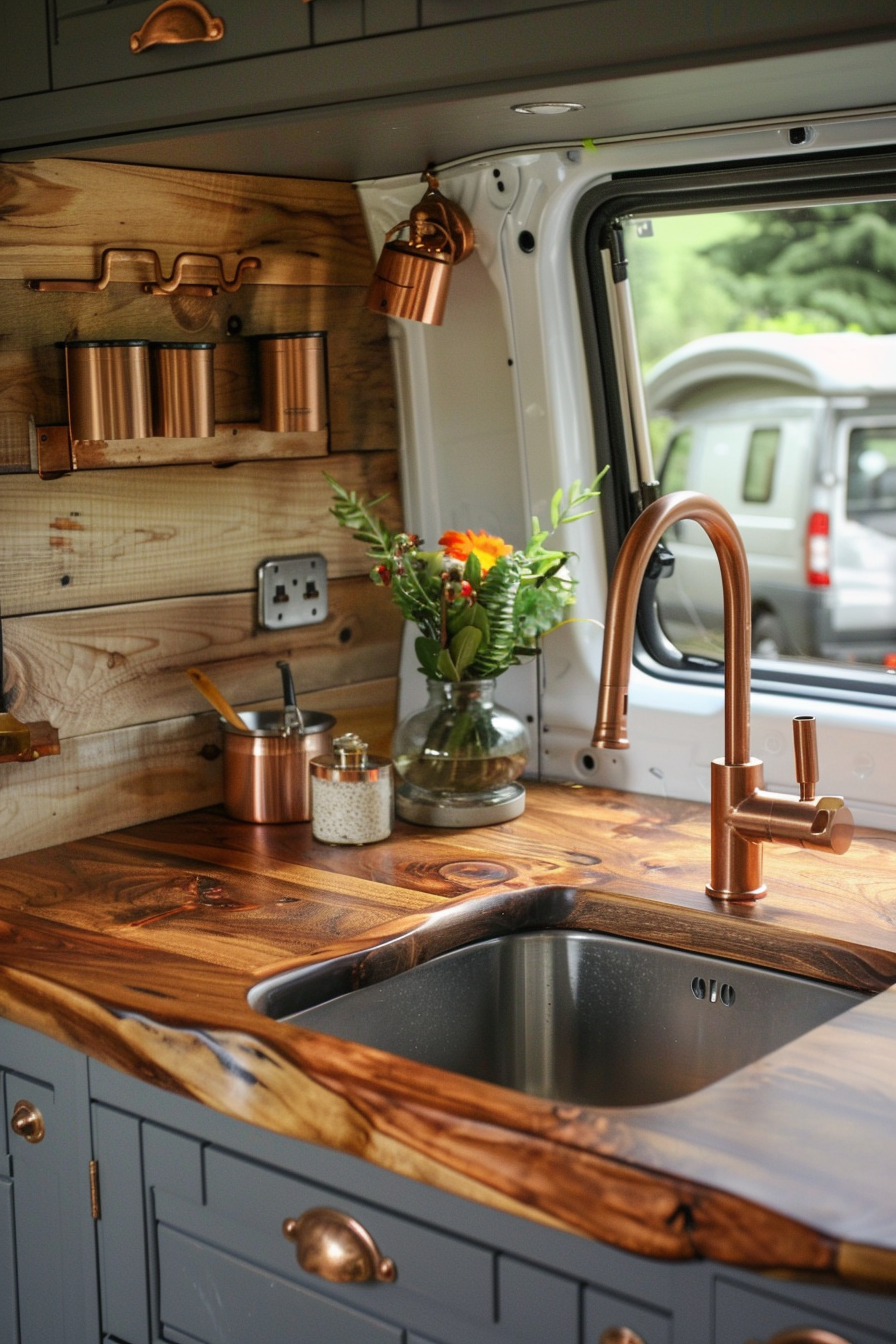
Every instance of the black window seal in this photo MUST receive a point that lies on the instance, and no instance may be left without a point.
(855, 175)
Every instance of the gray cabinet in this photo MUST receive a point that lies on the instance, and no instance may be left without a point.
(26, 62)
(92, 40)
(47, 1243)
(190, 1246)
(8, 1295)
(745, 1313)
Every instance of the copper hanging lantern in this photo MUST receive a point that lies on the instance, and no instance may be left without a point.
(412, 275)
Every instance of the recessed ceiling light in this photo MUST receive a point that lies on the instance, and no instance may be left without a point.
(547, 109)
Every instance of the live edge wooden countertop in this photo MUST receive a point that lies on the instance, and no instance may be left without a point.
(138, 948)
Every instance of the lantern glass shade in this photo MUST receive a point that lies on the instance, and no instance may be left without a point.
(411, 282)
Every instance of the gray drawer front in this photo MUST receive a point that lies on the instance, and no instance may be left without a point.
(440, 1278)
(94, 47)
(605, 1310)
(9, 1329)
(742, 1316)
(209, 1296)
(536, 1306)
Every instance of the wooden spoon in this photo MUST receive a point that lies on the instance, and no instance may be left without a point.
(207, 687)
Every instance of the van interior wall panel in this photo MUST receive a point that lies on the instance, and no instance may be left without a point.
(113, 582)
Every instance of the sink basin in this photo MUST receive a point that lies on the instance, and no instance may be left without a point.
(577, 1017)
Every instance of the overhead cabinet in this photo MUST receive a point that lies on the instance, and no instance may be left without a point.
(92, 42)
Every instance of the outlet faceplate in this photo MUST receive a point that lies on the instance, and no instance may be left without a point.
(292, 590)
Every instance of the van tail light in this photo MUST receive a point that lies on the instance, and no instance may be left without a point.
(818, 550)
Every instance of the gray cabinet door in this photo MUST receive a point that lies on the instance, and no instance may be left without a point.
(121, 1230)
(55, 1245)
(9, 1326)
(606, 1311)
(26, 62)
(92, 41)
(216, 1298)
(743, 1315)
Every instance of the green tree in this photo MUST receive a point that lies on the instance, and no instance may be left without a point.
(814, 268)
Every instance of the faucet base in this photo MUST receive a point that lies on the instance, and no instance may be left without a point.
(737, 897)
(736, 859)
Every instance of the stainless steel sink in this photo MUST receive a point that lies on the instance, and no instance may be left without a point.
(575, 1017)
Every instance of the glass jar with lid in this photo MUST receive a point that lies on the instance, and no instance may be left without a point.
(351, 794)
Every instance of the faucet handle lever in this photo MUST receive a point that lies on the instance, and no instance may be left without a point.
(805, 751)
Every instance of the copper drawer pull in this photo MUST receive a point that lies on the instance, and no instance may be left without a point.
(175, 22)
(337, 1248)
(27, 1122)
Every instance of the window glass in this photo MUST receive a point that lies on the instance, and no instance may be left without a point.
(674, 474)
(871, 478)
(759, 331)
(759, 476)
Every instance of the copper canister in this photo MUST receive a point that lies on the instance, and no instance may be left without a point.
(293, 375)
(184, 391)
(267, 775)
(108, 390)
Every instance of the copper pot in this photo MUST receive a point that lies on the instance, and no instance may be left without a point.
(292, 372)
(267, 770)
(184, 392)
(108, 390)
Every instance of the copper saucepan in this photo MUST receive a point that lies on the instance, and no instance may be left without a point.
(266, 770)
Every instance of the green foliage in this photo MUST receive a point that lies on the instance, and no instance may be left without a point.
(472, 623)
(349, 511)
(801, 270)
(818, 268)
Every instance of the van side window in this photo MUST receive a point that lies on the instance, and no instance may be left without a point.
(674, 475)
(759, 474)
(871, 477)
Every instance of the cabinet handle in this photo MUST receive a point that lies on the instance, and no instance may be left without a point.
(804, 1335)
(620, 1334)
(337, 1248)
(27, 1122)
(175, 22)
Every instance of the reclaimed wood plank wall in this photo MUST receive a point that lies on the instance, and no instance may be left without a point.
(112, 582)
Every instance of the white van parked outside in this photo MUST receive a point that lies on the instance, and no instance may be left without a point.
(796, 436)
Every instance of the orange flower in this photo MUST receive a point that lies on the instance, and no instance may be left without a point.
(487, 549)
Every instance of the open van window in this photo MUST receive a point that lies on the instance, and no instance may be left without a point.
(765, 340)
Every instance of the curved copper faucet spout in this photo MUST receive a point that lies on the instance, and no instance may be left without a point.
(622, 610)
(744, 815)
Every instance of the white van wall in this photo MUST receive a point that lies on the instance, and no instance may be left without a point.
(502, 433)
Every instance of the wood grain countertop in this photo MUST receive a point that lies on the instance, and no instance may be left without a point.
(138, 947)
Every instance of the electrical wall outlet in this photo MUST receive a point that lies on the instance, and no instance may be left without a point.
(292, 590)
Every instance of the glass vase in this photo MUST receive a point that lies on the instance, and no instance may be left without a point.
(458, 759)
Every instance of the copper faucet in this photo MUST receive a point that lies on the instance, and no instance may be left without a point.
(744, 815)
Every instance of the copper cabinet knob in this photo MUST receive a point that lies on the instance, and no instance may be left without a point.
(620, 1334)
(337, 1248)
(27, 1122)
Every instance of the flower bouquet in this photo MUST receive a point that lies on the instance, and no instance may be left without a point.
(480, 607)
